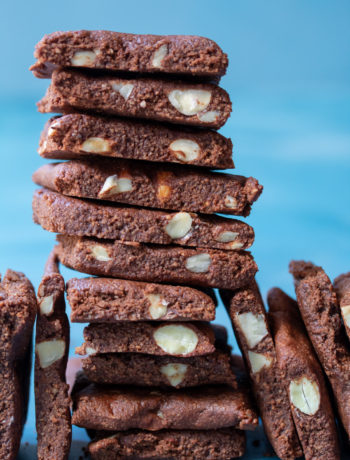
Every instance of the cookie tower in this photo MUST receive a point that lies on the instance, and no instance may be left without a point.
(136, 206)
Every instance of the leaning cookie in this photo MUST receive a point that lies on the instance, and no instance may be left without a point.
(159, 264)
(165, 187)
(197, 104)
(249, 321)
(77, 136)
(225, 443)
(174, 339)
(304, 379)
(116, 51)
(342, 288)
(73, 216)
(17, 315)
(319, 309)
(52, 403)
(141, 408)
(159, 371)
(108, 300)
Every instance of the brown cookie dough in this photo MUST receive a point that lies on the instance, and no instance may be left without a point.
(319, 308)
(165, 187)
(159, 264)
(17, 315)
(159, 371)
(115, 51)
(77, 136)
(73, 216)
(304, 379)
(108, 300)
(225, 443)
(197, 104)
(170, 339)
(122, 408)
(342, 288)
(249, 321)
(52, 404)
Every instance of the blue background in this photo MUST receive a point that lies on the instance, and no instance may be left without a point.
(289, 80)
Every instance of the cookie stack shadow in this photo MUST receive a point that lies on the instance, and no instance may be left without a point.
(135, 206)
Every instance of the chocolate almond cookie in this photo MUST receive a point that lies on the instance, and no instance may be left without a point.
(225, 443)
(108, 300)
(319, 309)
(17, 315)
(304, 379)
(77, 136)
(197, 104)
(342, 288)
(249, 320)
(143, 184)
(115, 51)
(73, 216)
(159, 371)
(174, 339)
(122, 408)
(52, 403)
(160, 264)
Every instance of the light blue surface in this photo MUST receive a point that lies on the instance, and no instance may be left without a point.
(289, 80)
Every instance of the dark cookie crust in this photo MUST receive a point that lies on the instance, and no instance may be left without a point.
(72, 137)
(138, 337)
(159, 371)
(52, 403)
(183, 54)
(73, 91)
(173, 445)
(319, 309)
(107, 300)
(163, 187)
(17, 315)
(267, 383)
(297, 360)
(159, 264)
(122, 408)
(72, 216)
(342, 288)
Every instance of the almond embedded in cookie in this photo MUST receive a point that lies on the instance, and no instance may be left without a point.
(75, 136)
(165, 187)
(179, 102)
(319, 308)
(303, 379)
(52, 403)
(115, 51)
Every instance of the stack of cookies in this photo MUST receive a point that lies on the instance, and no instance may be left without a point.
(136, 204)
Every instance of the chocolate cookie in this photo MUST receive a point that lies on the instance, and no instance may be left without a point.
(17, 315)
(78, 136)
(342, 288)
(159, 371)
(52, 404)
(319, 308)
(225, 443)
(304, 379)
(107, 50)
(107, 300)
(198, 104)
(249, 321)
(73, 216)
(122, 408)
(160, 264)
(143, 184)
(174, 339)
